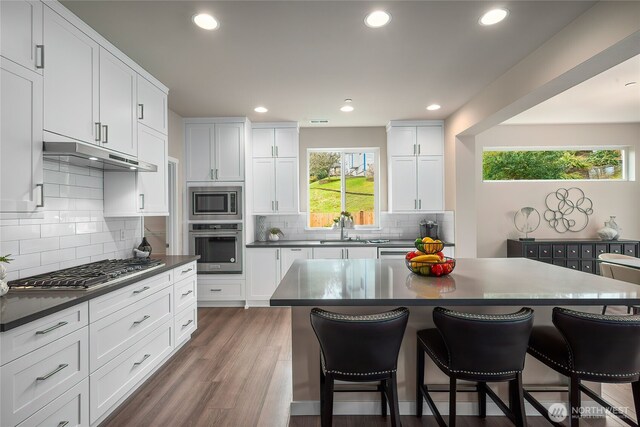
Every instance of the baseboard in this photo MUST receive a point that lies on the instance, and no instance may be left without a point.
(208, 304)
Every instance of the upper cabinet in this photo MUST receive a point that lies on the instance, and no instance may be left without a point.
(415, 153)
(152, 106)
(71, 80)
(214, 151)
(275, 168)
(21, 33)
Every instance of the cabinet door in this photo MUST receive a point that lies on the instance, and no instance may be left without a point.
(199, 152)
(264, 185)
(20, 138)
(401, 141)
(229, 152)
(117, 105)
(70, 80)
(263, 272)
(263, 143)
(286, 142)
(362, 253)
(403, 184)
(152, 105)
(328, 253)
(289, 255)
(430, 183)
(430, 141)
(286, 185)
(153, 186)
(21, 33)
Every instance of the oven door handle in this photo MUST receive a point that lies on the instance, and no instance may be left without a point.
(200, 234)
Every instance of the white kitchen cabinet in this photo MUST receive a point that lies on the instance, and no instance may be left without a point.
(152, 105)
(214, 152)
(289, 255)
(71, 408)
(275, 141)
(21, 185)
(328, 253)
(416, 166)
(286, 142)
(71, 80)
(117, 105)
(264, 185)
(263, 272)
(275, 189)
(351, 252)
(263, 142)
(219, 289)
(21, 33)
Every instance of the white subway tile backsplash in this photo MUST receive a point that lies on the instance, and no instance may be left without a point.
(103, 237)
(109, 247)
(27, 272)
(88, 227)
(89, 204)
(59, 204)
(57, 256)
(38, 245)
(12, 247)
(24, 261)
(75, 262)
(75, 241)
(19, 232)
(89, 250)
(65, 229)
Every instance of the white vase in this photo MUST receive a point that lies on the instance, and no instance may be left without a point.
(274, 237)
(3, 272)
(4, 288)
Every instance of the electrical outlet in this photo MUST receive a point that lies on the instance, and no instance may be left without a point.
(286, 224)
(122, 236)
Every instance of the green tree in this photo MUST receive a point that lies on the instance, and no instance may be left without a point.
(605, 158)
(320, 163)
(516, 165)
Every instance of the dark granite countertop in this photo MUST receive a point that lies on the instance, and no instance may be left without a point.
(317, 244)
(474, 282)
(20, 307)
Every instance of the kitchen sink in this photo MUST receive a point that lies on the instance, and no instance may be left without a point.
(338, 242)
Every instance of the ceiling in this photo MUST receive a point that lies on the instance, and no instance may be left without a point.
(301, 59)
(601, 99)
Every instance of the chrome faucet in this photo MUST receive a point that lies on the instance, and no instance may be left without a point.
(343, 233)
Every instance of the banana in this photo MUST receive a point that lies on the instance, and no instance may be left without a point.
(426, 258)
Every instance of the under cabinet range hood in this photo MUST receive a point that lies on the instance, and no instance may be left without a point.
(93, 156)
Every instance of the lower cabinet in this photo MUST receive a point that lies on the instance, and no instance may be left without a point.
(266, 267)
(185, 323)
(357, 252)
(70, 409)
(220, 289)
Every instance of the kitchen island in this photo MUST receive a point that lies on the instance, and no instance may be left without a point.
(490, 285)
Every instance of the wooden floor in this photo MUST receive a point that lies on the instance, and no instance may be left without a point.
(236, 372)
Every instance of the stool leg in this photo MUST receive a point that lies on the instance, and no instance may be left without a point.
(574, 401)
(326, 415)
(384, 387)
(392, 384)
(482, 399)
(452, 401)
(635, 388)
(322, 390)
(516, 394)
(419, 380)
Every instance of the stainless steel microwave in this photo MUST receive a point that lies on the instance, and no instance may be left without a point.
(215, 203)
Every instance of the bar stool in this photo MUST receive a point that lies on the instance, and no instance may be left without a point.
(480, 348)
(590, 347)
(359, 348)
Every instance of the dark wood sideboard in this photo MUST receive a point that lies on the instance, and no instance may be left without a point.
(578, 254)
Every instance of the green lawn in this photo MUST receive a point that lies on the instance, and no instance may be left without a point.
(321, 200)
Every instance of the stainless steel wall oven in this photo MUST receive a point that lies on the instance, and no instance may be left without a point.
(219, 247)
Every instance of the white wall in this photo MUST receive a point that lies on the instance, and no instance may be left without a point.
(176, 150)
(73, 230)
(497, 202)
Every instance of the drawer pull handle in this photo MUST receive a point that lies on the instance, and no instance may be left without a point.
(188, 323)
(187, 270)
(216, 290)
(146, 356)
(187, 293)
(53, 328)
(52, 373)
(137, 322)
(139, 291)
(63, 423)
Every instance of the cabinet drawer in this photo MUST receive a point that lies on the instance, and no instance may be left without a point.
(185, 323)
(560, 263)
(587, 266)
(573, 251)
(71, 408)
(586, 251)
(113, 301)
(615, 248)
(33, 335)
(33, 381)
(531, 251)
(573, 264)
(213, 292)
(185, 293)
(601, 248)
(544, 251)
(184, 271)
(111, 335)
(629, 249)
(559, 251)
(115, 379)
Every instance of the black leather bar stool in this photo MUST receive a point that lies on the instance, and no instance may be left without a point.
(480, 348)
(589, 347)
(359, 348)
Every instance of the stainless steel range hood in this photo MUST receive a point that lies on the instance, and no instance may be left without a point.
(93, 156)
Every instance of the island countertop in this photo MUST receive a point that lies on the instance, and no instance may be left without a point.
(474, 282)
(20, 307)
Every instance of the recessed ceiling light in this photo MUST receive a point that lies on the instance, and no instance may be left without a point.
(260, 110)
(493, 16)
(433, 107)
(377, 19)
(93, 158)
(133, 168)
(205, 21)
(347, 107)
(631, 83)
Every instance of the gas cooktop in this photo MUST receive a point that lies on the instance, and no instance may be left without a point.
(87, 276)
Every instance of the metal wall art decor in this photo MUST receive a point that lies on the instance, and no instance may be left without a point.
(526, 221)
(568, 209)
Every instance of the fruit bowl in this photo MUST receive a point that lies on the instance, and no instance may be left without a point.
(431, 268)
(429, 247)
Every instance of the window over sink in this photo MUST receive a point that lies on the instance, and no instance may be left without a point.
(343, 180)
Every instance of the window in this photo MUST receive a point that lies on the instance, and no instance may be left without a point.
(516, 164)
(343, 180)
